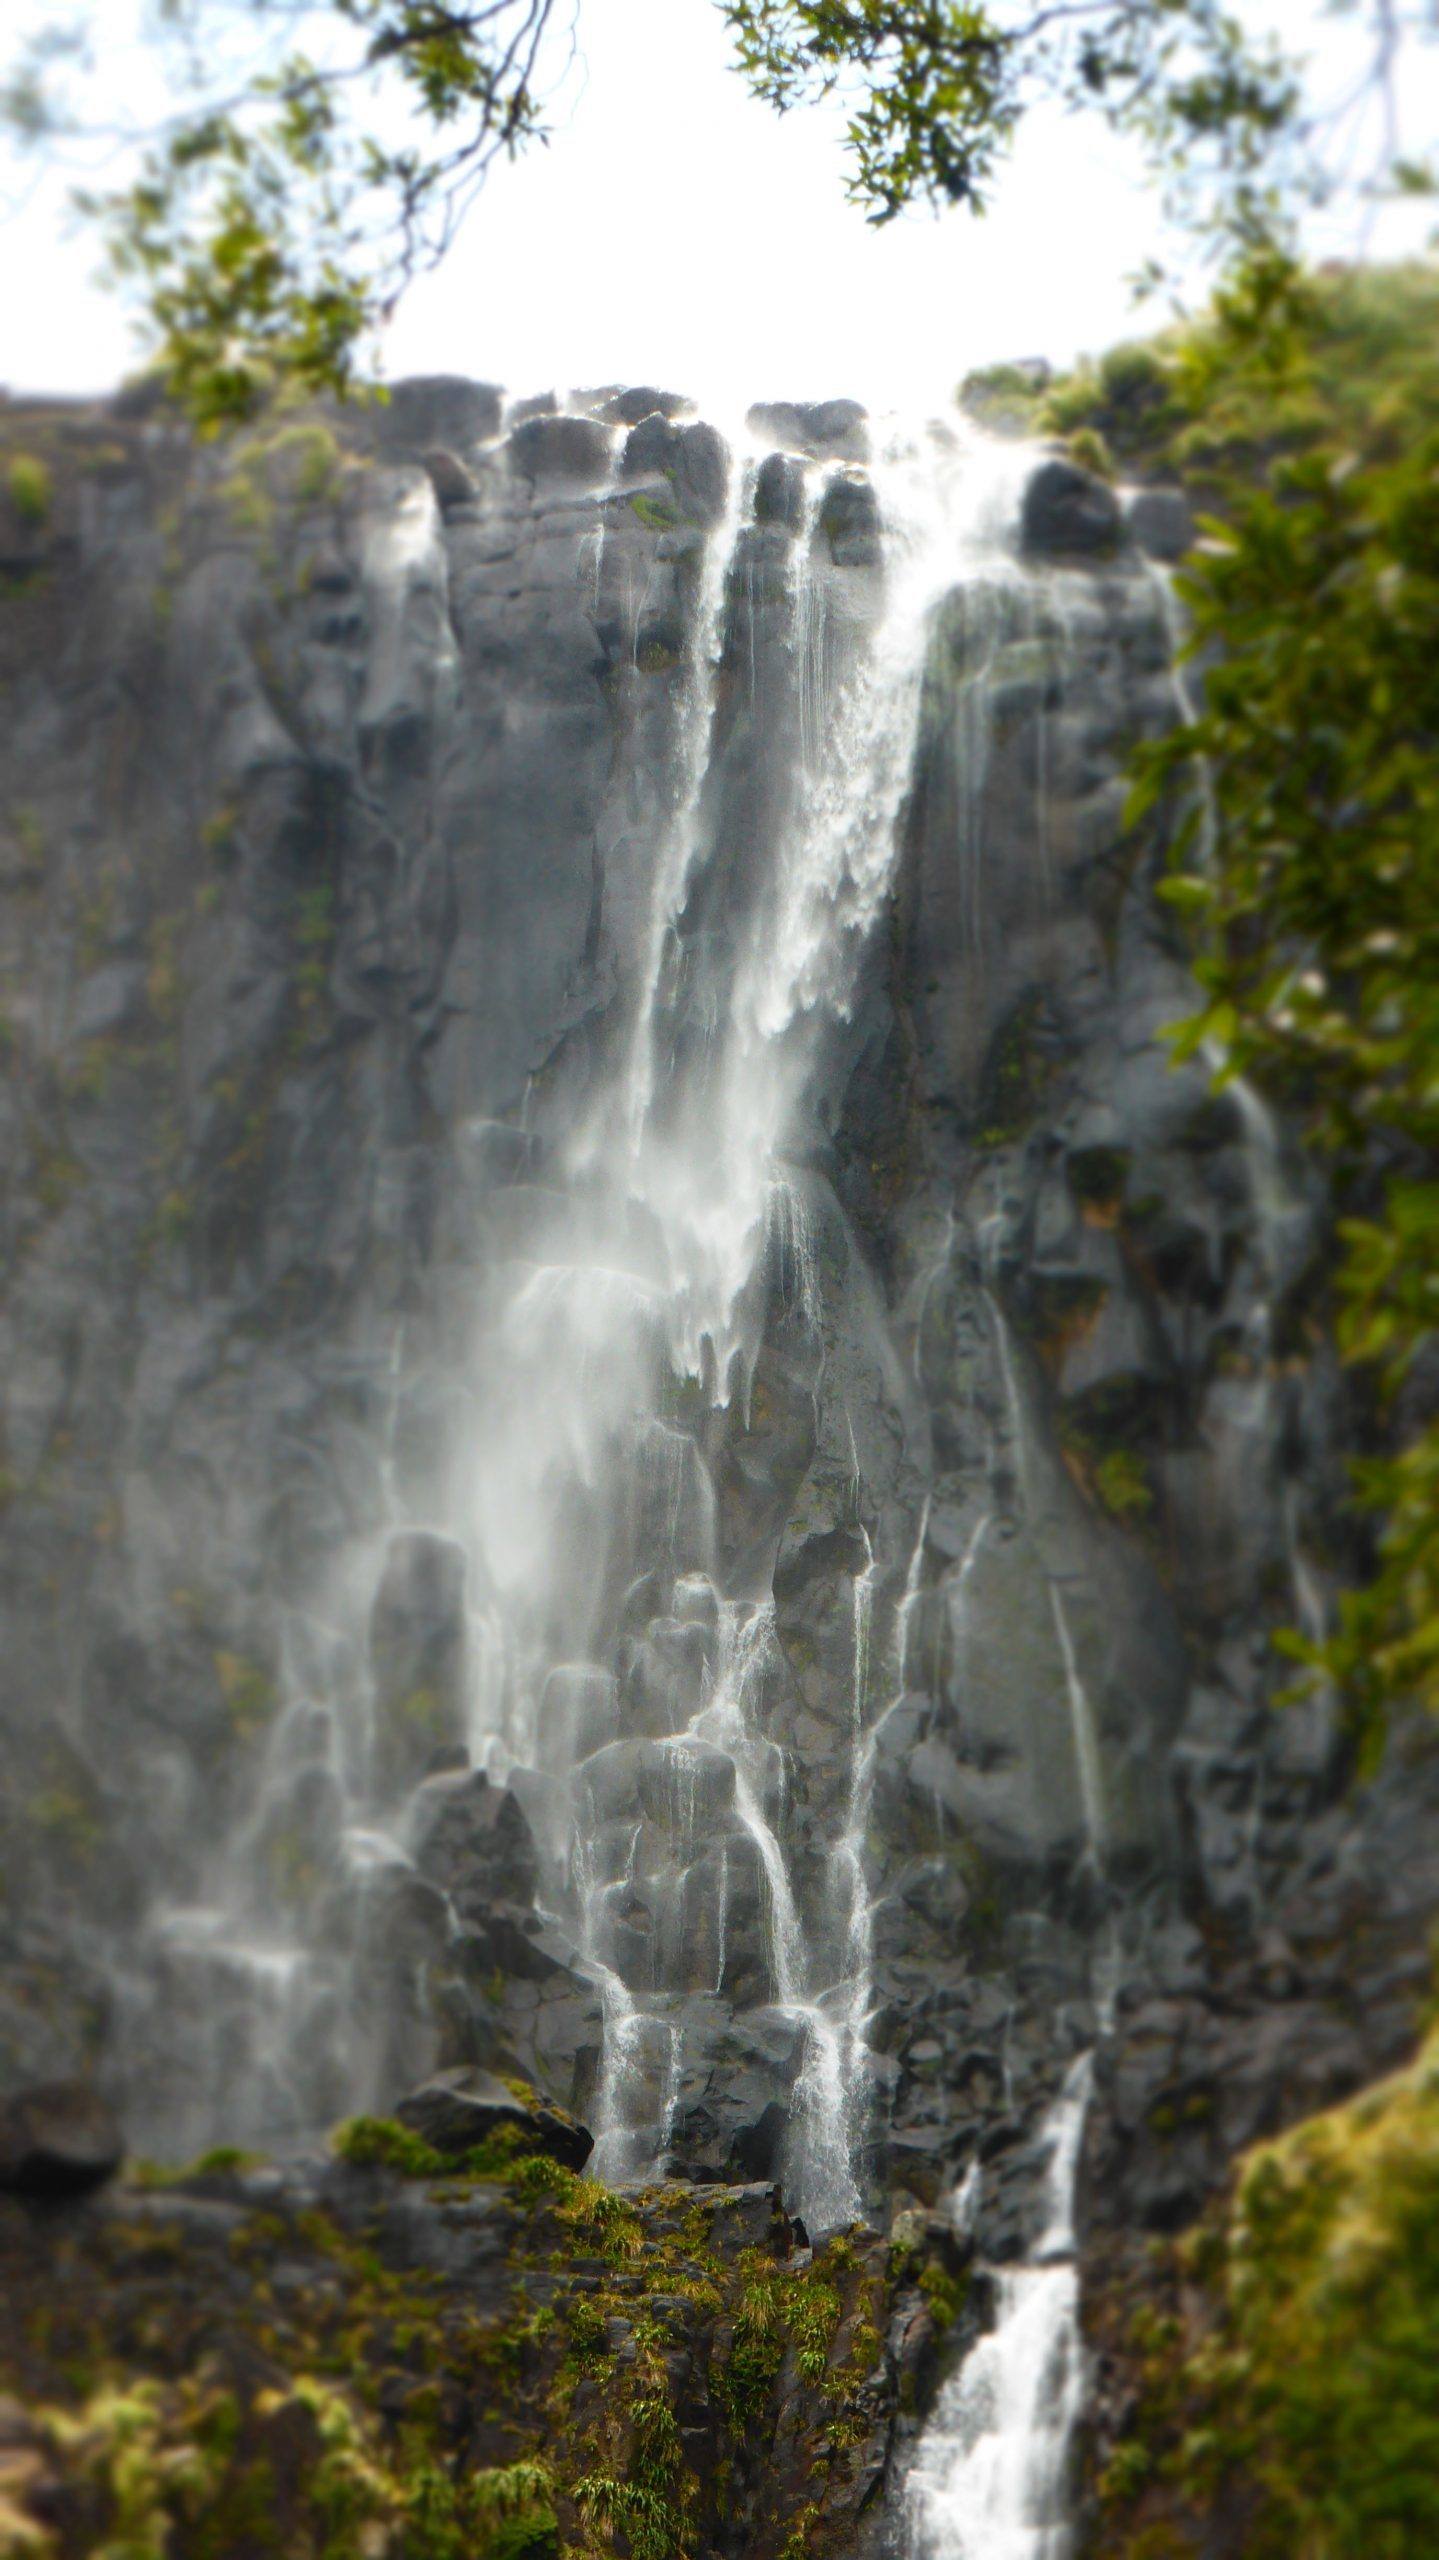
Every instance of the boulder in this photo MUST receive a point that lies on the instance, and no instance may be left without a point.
(779, 492)
(702, 472)
(459, 2110)
(573, 450)
(432, 409)
(627, 408)
(1161, 521)
(453, 484)
(850, 523)
(1068, 512)
(693, 458)
(474, 1841)
(830, 427)
(58, 2139)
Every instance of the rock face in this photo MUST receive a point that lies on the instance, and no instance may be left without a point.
(648, 1444)
(417, 2359)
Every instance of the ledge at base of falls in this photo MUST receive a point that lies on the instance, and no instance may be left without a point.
(320, 2357)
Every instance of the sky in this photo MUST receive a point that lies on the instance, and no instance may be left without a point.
(675, 231)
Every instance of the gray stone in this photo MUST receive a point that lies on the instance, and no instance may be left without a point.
(473, 1839)
(458, 2111)
(1161, 521)
(417, 1657)
(1068, 511)
(60, 2139)
(829, 427)
(779, 492)
(573, 452)
(437, 409)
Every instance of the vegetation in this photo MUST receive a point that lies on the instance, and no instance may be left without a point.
(1310, 860)
(1287, 2371)
(574, 2390)
(315, 158)
(29, 488)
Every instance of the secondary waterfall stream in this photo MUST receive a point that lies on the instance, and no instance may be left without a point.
(989, 2482)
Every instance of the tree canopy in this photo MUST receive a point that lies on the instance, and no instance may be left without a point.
(308, 157)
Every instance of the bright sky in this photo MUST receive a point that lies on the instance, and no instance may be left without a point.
(677, 232)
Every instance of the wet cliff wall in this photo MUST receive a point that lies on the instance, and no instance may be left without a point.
(340, 773)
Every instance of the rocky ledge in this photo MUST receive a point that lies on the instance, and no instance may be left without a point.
(384, 2350)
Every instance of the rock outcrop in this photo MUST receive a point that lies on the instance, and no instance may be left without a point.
(250, 2357)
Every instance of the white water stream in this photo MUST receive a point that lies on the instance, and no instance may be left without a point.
(990, 2481)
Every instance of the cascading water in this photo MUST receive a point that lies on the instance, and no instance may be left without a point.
(653, 1227)
(989, 2481)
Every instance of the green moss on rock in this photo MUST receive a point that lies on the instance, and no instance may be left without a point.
(1290, 2398)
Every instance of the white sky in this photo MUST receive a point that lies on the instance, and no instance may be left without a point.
(677, 232)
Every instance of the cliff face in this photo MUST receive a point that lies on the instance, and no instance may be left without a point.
(646, 1439)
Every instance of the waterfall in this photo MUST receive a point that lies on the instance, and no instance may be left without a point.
(989, 2481)
(1088, 1761)
(555, 1584)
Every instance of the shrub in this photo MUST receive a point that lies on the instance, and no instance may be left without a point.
(30, 488)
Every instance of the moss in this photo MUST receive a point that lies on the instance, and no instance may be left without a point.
(365, 2381)
(1087, 448)
(296, 466)
(1006, 398)
(507, 2157)
(945, 2294)
(661, 515)
(226, 2160)
(1120, 1480)
(377, 2142)
(1015, 1075)
(29, 487)
(1309, 2373)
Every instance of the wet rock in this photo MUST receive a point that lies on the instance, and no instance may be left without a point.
(1161, 521)
(458, 2111)
(628, 407)
(731, 2113)
(650, 449)
(59, 2139)
(453, 483)
(473, 1839)
(417, 1657)
(702, 473)
(828, 427)
(434, 410)
(779, 492)
(849, 521)
(693, 459)
(1068, 512)
(573, 452)
(579, 1712)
